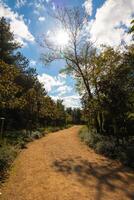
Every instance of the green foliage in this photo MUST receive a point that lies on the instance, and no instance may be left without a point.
(105, 147)
(7, 43)
(36, 134)
(74, 116)
(104, 78)
(84, 134)
(90, 137)
(112, 104)
(126, 155)
(7, 156)
(108, 146)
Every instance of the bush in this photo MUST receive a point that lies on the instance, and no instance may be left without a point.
(36, 134)
(94, 139)
(41, 129)
(90, 138)
(68, 126)
(126, 156)
(51, 129)
(84, 134)
(22, 137)
(106, 148)
(7, 156)
(21, 143)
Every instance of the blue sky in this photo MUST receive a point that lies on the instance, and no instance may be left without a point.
(108, 20)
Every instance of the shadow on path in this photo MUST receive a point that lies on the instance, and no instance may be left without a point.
(103, 178)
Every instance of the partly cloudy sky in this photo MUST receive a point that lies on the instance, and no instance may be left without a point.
(108, 24)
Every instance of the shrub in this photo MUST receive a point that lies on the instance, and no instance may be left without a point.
(126, 156)
(36, 135)
(94, 139)
(90, 138)
(106, 148)
(51, 129)
(21, 143)
(7, 156)
(84, 134)
(41, 129)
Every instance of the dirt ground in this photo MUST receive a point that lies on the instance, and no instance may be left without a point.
(60, 167)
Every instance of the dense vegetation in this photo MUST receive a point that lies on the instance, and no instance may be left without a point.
(105, 79)
(26, 111)
(111, 122)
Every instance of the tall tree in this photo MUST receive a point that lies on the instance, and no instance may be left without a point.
(9, 47)
(78, 51)
(7, 43)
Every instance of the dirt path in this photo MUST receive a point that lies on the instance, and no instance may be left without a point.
(60, 167)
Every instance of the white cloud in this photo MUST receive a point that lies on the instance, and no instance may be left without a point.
(62, 90)
(32, 63)
(111, 22)
(88, 5)
(18, 26)
(69, 101)
(50, 82)
(72, 101)
(20, 3)
(41, 19)
(58, 89)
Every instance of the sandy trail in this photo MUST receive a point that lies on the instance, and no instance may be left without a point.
(60, 167)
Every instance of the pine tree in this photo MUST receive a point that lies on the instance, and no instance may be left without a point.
(7, 43)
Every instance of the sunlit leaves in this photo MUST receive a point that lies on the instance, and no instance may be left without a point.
(8, 87)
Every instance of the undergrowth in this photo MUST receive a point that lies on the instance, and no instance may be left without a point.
(107, 146)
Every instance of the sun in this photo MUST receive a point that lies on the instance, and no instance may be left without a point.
(61, 38)
(58, 38)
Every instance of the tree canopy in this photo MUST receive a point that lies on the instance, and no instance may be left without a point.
(104, 77)
(23, 99)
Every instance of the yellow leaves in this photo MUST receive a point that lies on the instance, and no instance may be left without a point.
(23, 92)
(8, 87)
